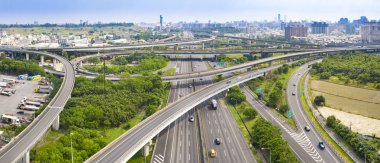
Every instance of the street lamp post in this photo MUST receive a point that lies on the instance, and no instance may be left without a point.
(71, 147)
(242, 119)
(270, 154)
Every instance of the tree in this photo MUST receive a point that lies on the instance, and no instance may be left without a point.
(284, 109)
(250, 113)
(331, 121)
(94, 60)
(319, 100)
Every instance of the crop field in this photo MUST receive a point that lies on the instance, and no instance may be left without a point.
(348, 99)
(366, 95)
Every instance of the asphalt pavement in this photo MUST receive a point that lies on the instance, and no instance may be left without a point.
(327, 155)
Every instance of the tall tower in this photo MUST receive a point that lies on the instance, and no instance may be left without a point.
(161, 21)
(279, 18)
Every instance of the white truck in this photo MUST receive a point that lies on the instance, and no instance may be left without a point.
(28, 107)
(9, 119)
(28, 102)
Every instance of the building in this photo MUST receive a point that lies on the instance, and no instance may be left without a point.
(319, 28)
(370, 32)
(161, 22)
(295, 30)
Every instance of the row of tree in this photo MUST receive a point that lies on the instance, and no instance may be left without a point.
(363, 68)
(266, 135)
(360, 145)
(144, 64)
(96, 107)
(9, 66)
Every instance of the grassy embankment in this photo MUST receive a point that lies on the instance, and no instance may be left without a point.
(330, 141)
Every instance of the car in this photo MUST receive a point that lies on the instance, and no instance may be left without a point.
(218, 141)
(191, 119)
(190, 86)
(20, 112)
(212, 153)
(307, 128)
(180, 95)
(321, 145)
(299, 73)
(229, 81)
(200, 79)
(294, 84)
(293, 93)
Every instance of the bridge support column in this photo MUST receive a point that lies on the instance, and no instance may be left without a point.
(81, 64)
(27, 56)
(203, 46)
(42, 60)
(12, 55)
(152, 48)
(146, 149)
(290, 59)
(55, 124)
(25, 158)
(270, 63)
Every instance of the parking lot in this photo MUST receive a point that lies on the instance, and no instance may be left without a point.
(9, 104)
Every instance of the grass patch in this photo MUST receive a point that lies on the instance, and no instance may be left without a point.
(234, 56)
(209, 67)
(50, 137)
(330, 141)
(169, 72)
(249, 122)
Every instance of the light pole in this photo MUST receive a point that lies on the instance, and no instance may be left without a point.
(71, 147)
(270, 154)
(242, 119)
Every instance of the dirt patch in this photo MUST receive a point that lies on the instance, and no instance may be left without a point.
(361, 124)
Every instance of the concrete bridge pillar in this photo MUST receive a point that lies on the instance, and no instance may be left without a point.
(27, 56)
(146, 149)
(42, 60)
(25, 158)
(55, 125)
(290, 59)
(203, 46)
(176, 47)
(152, 48)
(12, 55)
(270, 63)
(81, 64)
(55, 64)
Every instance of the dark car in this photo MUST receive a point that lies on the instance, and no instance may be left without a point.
(293, 93)
(20, 112)
(321, 145)
(307, 128)
(218, 141)
(191, 119)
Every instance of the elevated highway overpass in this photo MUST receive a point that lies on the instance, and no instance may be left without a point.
(19, 148)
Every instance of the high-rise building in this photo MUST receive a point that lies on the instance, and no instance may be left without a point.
(161, 22)
(319, 28)
(370, 32)
(295, 30)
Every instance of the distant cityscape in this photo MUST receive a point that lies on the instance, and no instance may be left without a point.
(343, 31)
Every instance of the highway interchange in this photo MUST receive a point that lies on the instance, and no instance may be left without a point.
(125, 146)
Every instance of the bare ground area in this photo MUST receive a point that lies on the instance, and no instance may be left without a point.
(361, 124)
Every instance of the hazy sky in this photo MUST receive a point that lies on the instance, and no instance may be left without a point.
(61, 11)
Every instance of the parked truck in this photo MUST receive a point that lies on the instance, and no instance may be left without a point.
(28, 107)
(28, 102)
(41, 99)
(10, 119)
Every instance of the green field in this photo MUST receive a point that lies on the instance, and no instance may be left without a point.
(235, 56)
(349, 99)
(171, 71)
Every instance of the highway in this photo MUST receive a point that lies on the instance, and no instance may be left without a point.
(96, 49)
(200, 74)
(124, 147)
(301, 118)
(25, 141)
(179, 141)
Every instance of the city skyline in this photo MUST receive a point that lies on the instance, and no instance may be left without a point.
(70, 11)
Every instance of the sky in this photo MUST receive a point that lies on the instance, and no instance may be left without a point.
(72, 11)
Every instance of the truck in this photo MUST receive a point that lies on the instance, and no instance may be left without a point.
(41, 99)
(10, 119)
(22, 77)
(214, 104)
(28, 107)
(41, 90)
(27, 102)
